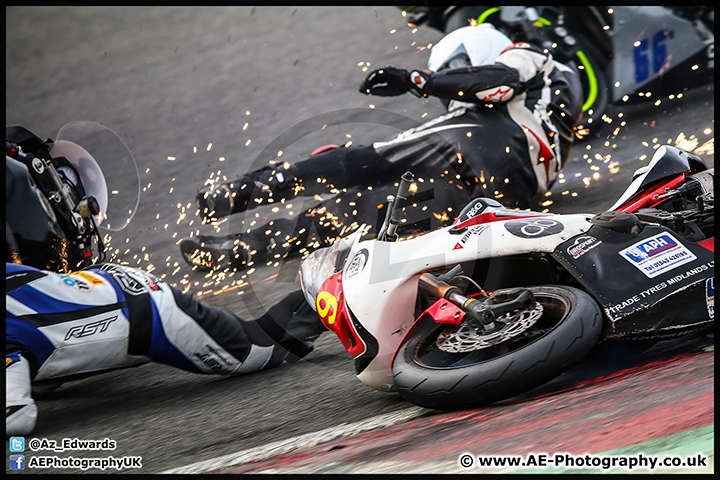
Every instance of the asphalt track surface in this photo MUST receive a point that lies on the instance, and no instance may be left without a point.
(212, 88)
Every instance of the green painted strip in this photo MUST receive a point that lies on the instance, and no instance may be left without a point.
(699, 440)
(592, 95)
(540, 22)
(483, 16)
(684, 445)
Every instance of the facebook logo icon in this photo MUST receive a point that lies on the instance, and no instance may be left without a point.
(17, 462)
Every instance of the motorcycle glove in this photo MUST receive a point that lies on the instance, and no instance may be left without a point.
(386, 82)
(418, 82)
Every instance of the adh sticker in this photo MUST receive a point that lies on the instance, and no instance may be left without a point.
(657, 254)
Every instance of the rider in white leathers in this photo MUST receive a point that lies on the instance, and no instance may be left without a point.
(512, 111)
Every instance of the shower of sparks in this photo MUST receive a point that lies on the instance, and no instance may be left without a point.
(692, 143)
(227, 279)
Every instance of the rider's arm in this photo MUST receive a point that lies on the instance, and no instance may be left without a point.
(519, 68)
(516, 70)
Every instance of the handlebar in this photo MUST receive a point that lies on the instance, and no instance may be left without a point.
(59, 192)
(395, 208)
(72, 211)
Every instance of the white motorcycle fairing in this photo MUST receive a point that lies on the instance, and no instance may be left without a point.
(503, 301)
(388, 273)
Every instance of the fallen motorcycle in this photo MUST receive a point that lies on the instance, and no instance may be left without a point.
(502, 300)
(72, 187)
(617, 50)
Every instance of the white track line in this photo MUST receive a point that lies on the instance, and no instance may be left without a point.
(301, 441)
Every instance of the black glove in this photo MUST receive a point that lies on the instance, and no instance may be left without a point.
(418, 82)
(386, 82)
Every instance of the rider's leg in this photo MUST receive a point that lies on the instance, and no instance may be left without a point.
(174, 328)
(336, 168)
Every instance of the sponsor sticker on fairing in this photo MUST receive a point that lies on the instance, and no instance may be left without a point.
(657, 254)
(357, 264)
(710, 296)
(582, 245)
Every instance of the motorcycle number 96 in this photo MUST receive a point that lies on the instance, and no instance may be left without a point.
(650, 53)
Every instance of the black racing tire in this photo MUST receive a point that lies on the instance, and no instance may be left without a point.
(568, 329)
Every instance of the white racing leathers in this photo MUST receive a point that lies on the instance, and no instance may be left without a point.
(61, 327)
(512, 121)
(507, 135)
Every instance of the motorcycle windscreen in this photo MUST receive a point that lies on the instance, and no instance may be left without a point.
(106, 168)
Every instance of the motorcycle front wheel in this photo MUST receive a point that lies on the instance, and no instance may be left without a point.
(430, 371)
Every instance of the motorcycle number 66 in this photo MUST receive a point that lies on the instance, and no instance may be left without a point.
(645, 59)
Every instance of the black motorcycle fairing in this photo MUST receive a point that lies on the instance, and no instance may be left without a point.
(28, 141)
(674, 162)
(633, 302)
(373, 347)
(30, 221)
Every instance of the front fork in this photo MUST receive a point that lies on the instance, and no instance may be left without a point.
(482, 313)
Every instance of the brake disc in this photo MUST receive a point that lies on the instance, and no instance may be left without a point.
(464, 339)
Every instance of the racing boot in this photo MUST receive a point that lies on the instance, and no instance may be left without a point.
(291, 325)
(208, 252)
(256, 188)
(302, 331)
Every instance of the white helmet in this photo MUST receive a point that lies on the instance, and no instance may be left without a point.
(472, 45)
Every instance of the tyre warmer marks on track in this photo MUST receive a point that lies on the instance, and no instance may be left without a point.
(637, 405)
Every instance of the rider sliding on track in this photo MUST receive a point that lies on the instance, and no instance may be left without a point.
(512, 111)
(62, 325)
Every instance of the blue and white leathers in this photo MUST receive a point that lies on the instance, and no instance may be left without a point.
(65, 326)
(79, 323)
